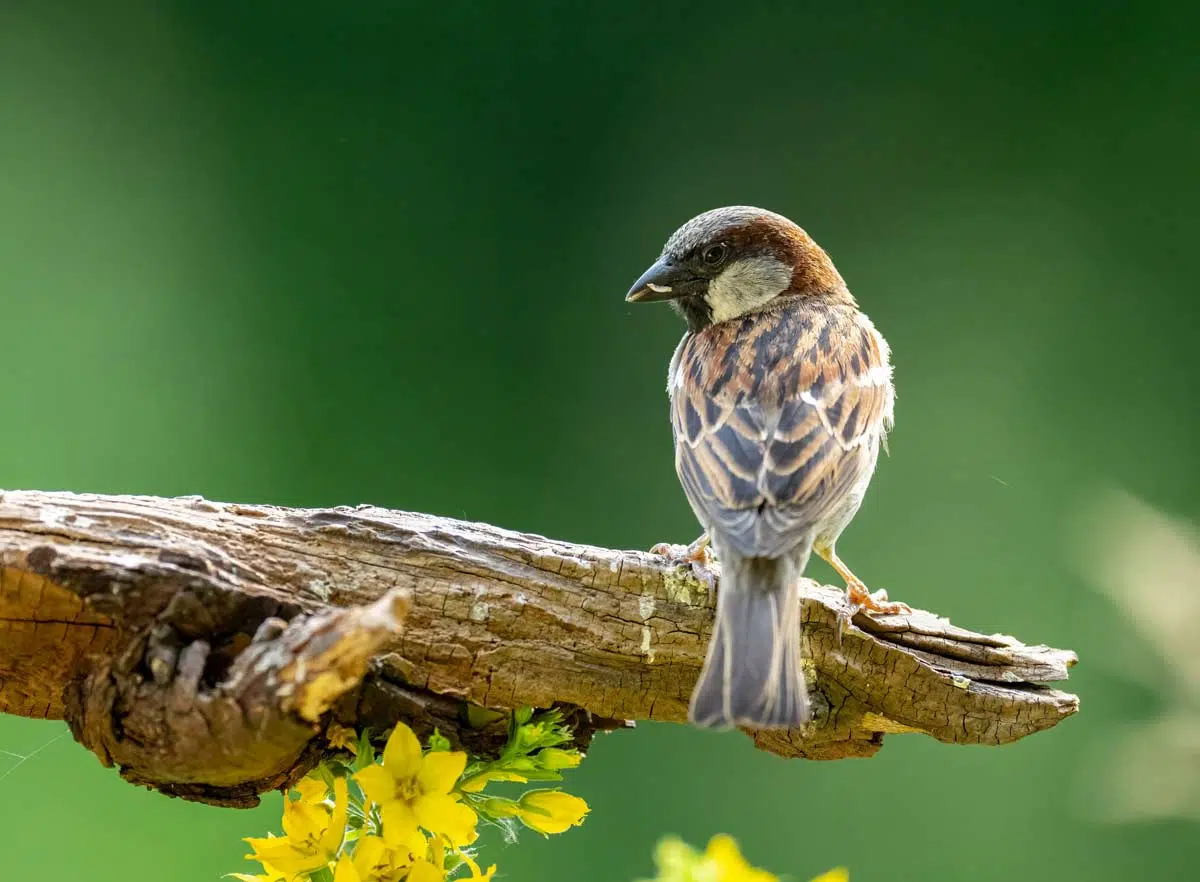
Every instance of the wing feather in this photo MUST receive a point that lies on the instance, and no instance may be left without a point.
(776, 417)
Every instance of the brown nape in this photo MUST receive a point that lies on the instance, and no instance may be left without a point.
(814, 271)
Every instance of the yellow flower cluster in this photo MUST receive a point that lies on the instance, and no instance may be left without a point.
(415, 790)
(721, 862)
(415, 815)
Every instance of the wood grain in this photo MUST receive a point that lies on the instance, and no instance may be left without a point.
(498, 619)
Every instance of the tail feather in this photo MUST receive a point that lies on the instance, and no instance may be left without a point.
(752, 675)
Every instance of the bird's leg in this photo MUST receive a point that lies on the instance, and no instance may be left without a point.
(857, 593)
(698, 555)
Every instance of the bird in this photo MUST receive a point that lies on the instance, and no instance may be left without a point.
(781, 397)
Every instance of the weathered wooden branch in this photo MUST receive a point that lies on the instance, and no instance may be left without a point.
(203, 647)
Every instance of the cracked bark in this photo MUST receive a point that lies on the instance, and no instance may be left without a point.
(204, 647)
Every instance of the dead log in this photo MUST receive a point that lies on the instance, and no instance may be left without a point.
(204, 647)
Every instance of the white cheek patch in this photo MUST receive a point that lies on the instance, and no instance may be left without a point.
(745, 285)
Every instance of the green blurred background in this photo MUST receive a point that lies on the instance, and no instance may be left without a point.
(323, 253)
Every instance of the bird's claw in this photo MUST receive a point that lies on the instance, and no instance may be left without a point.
(863, 600)
(698, 556)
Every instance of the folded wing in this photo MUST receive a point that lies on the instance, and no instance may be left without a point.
(776, 416)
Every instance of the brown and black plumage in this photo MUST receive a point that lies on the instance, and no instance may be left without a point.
(781, 395)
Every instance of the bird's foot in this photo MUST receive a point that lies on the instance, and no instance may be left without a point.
(698, 555)
(859, 598)
(863, 600)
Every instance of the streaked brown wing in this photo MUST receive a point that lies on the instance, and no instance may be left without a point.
(775, 418)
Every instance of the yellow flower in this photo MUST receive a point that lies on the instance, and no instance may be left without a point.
(376, 861)
(342, 738)
(312, 835)
(722, 854)
(430, 867)
(423, 871)
(311, 789)
(269, 874)
(551, 811)
(345, 871)
(414, 791)
(721, 862)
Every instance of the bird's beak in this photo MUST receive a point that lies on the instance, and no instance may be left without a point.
(663, 281)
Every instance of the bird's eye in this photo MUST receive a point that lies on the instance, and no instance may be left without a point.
(714, 255)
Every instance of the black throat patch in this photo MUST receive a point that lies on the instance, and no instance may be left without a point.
(695, 311)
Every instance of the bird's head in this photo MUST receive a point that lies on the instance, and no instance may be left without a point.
(734, 260)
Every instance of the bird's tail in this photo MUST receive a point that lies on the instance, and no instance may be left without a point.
(752, 675)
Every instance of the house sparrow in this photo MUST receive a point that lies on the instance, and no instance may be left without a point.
(781, 393)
